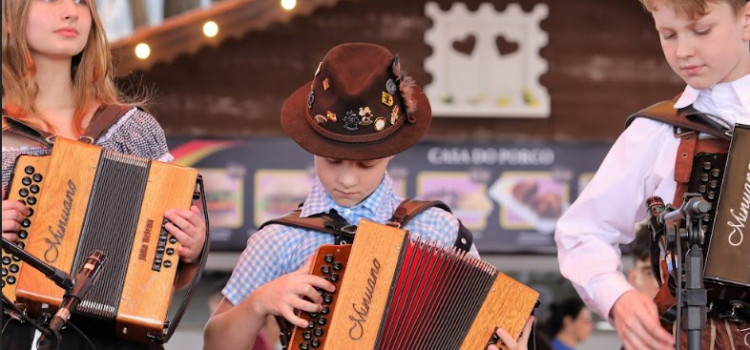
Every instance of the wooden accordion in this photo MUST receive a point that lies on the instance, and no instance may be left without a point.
(396, 293)
(83, 197)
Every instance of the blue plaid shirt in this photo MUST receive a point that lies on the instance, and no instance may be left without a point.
(277, 250)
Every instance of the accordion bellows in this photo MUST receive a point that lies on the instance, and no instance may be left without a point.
(397, 293)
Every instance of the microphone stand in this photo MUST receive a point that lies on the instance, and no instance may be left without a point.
(59, 277)
(694, 297)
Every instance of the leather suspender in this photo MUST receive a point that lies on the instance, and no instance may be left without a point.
(344, 232)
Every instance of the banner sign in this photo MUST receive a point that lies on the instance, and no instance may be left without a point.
(509, 194)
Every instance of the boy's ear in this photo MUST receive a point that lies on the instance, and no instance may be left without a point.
(745, 16)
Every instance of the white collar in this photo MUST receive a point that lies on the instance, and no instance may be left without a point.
(741, 88)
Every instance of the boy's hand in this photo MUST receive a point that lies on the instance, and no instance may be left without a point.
(510, 343)
(189, 229)
(292, 291)
(13, 215)
(637, 323)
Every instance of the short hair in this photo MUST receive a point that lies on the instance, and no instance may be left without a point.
(641, 245)
(570, 306)
(692, 8)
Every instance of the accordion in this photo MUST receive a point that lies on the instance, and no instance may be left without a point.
(728, 256)
(393, 292)
(82, 198)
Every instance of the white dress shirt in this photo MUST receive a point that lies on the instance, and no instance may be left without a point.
(639, 165)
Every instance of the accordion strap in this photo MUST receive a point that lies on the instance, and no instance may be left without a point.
(685, 120)
(103, 119)
(344, 232)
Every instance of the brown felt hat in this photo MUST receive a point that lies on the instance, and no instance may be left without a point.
(359, 106)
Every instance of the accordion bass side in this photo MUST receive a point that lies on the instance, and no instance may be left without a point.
(84, 198)
(396, 293)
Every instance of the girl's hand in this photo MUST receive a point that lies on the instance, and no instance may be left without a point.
(13, 215)
(189, 229)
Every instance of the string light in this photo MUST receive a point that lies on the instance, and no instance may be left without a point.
(210, 29)
(288, 4)
(142, 51)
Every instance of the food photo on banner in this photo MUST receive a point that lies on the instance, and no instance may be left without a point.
(509, 194)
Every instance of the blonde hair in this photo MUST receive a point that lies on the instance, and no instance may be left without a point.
(91, 70)
(693, 8)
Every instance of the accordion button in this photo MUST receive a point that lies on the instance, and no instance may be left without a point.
(311, 324)
(711, 195)
(307, 335)
(702, 188)
(23, 234)
(328, 258)
(313, 314)
(6, 260)
(325, 310)
(322, 321)
(173, 239)
(4, 272)
(706, 165)
(704, 177)
(29, 169)
(14, 268)
(26, 181)
(34, 188)
(16, 258)
(2, 284)
(168, 263)
(337, 266)
(304, 346)
(22, 201)
(315, 343)
(31, 200)
(318, 332)
(334, 277)
(37, 177)
(713, 184)
(11, 279)
(31, 211)
(325, 269)
(170, 251)
(23, 192)
(26, 223)
(21, 245)
(715, 172)
(327, 298)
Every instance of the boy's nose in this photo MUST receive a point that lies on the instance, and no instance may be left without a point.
(685, 47)
(348, 177)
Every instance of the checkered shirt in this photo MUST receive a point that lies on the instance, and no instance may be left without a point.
(277, 249)
(136, 133)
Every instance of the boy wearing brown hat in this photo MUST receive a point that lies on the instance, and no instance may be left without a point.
(356, 114)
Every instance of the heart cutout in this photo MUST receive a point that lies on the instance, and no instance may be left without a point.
(505, 47)
(465, 46)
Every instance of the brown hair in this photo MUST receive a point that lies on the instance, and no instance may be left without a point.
(693, 8)
(91, 70)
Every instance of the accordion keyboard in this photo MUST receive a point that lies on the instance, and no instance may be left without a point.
(28, 190)
(330, 263)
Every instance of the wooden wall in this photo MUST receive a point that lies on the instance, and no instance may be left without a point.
(603, 55)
